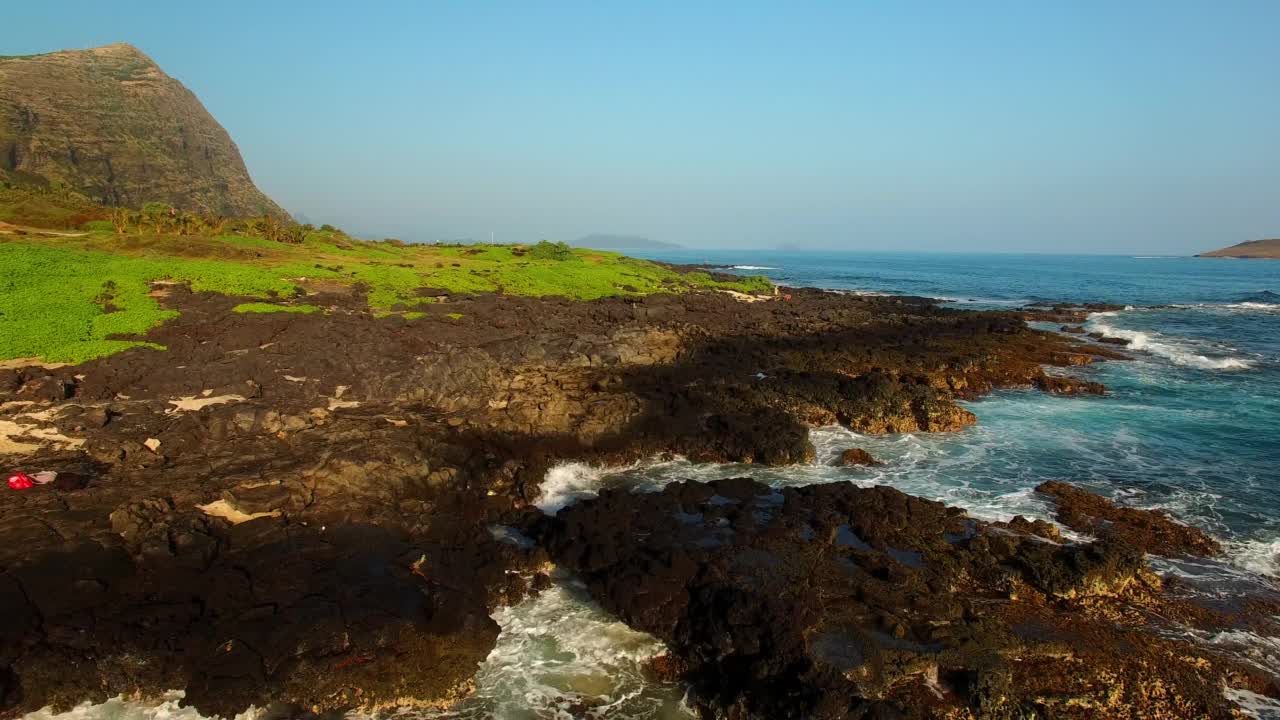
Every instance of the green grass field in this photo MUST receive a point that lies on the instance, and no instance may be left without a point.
(71, 299)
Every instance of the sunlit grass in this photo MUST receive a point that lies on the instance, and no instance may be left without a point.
(70, 299)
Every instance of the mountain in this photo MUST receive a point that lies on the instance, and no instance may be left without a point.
(1251, 249)
(111, 124)
(602, 241)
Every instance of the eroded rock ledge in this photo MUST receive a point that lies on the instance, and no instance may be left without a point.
(1152, 531)
(283, 508)
(834, 601)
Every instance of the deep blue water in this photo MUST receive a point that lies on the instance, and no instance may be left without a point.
(1191, 425)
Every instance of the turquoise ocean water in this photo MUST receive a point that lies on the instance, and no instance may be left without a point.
(1191, 425)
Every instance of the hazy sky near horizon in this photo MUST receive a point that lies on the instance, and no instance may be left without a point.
(1084, 126)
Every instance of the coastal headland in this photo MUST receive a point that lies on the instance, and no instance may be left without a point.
(290, 485)
(1253, 249)
(269, 464)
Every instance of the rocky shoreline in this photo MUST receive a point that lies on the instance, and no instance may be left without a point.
(300, 509)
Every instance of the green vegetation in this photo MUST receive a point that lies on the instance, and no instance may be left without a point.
(545, 250)
(75, 296)
(261, 307)
(454, 316)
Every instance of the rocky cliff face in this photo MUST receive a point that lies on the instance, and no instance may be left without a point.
(110, 123)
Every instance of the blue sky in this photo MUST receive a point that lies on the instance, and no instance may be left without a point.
(1084, 126)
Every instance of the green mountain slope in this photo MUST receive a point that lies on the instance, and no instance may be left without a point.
(109, 123)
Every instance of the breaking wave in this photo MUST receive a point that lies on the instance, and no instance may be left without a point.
(1254, 306)
(560, 655)
(568, 483)
(169, 707)
(751, 267)
(1257, 556)
(1244, 306)
(1176, 350)
(1253, 704)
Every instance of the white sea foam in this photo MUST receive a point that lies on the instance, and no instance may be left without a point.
(1260, 651)
(168, 708)
(567, 483)
(559, 650)
(1176, 350)
(1253, 704)
(916, 463)
(751, 267)
(1244, 307)
(1254, 307)
(1257, 556)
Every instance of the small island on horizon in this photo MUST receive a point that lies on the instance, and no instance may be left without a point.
(1253, 249)
(606, 241)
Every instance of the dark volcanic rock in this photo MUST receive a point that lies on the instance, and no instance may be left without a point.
(1108, 340)
(1059, 385)
(1069, 313)
(1151, 530)
(858, 456)
(834, 601)
(367, 462)
(328, 618)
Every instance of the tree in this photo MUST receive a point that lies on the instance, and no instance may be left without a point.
(120, 219)
(255, 227)
(156, 215)
(546, 250)
(294, 234)
(271, 228)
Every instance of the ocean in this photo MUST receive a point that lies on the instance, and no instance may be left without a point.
(1189, 426)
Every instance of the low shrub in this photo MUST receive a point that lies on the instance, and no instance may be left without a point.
(546, 250)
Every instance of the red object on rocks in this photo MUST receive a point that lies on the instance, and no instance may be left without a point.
(20, 481)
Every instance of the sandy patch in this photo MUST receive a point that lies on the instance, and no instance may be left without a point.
(743, 297)
(223, 509)
(11, 229)
(18, 439)
(161, 288)
(29, 362)
(337, 403)
(191, 403)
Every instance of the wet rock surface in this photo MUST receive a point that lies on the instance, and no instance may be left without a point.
(345, 616)
(858, 456)
(834, 601)
(296, 508)
(1152, 531)
(1066, 313)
